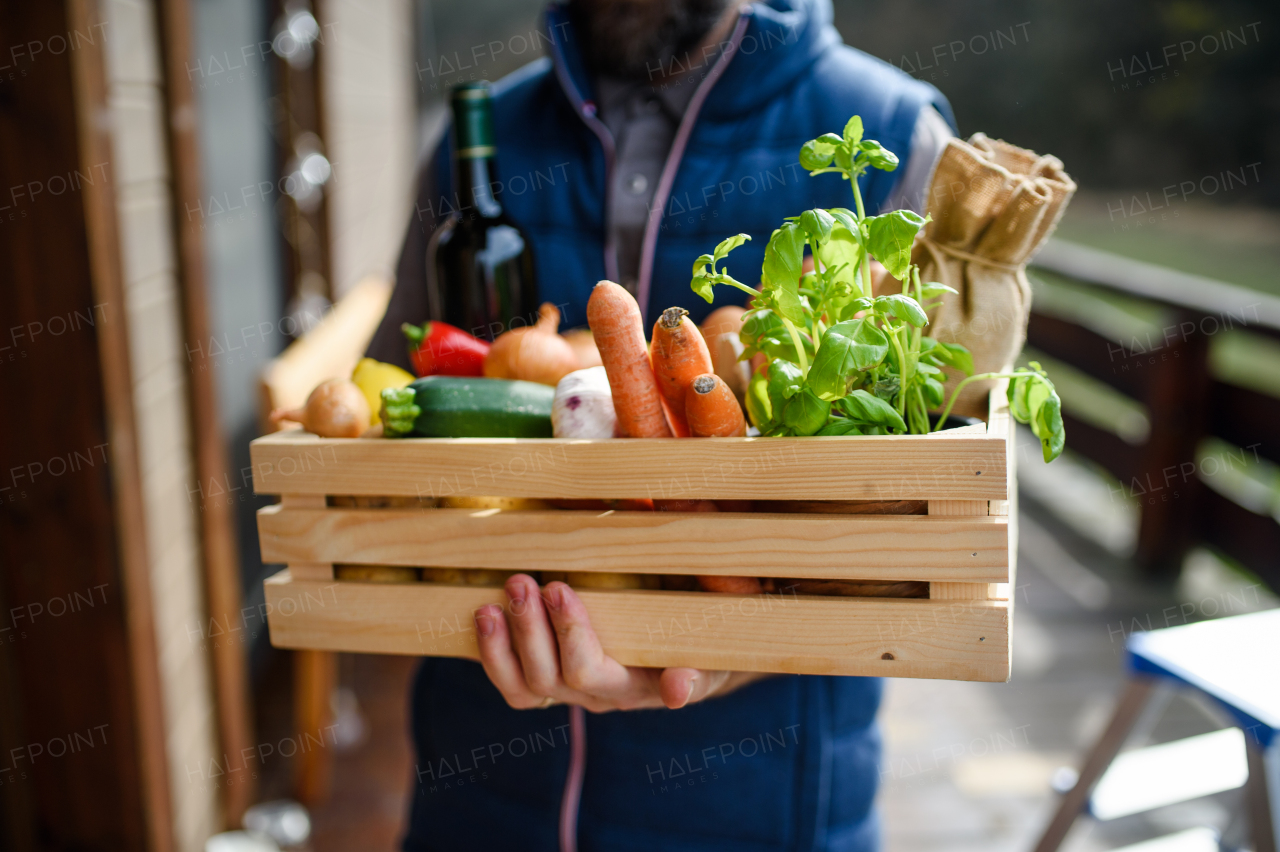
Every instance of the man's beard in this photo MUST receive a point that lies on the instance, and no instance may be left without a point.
(638, 39)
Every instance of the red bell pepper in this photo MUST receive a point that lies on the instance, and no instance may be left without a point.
(440, 349)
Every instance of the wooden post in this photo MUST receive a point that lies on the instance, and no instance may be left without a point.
(1177, 396)
(217, 523)
(315, 676)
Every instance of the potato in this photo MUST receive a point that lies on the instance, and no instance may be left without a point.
(506, 504)
(442, 575)
(376, 573)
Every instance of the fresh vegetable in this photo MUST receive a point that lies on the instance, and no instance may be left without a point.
(439, 349)
(583, 406)
(637, 505)
(841, 360)
(602, 579)
(584, 346)
(723, 320)
(679, 355)
(457, 407)
(506, 504)
(371, 377)
(376, 573)
(335, 409)
(615, 322)
(731, 585)
(712, 410)
(532, 353)
(465, 576)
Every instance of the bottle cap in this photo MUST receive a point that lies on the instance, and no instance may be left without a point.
(473, 120)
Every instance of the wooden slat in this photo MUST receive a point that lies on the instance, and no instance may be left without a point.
(949, 591)
(1251, 539)
(884, 547)
(1245, 418)
(1090, 352)
(969, 508)
(962, 591)
(1107, 449)
(962, 640)
(846, 468)
(311, 570)
(1160, 283)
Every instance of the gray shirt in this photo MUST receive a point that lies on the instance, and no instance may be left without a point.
(643, 120)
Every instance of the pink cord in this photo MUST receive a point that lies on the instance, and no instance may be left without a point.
(573, 781)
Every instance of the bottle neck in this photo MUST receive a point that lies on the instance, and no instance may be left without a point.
(476, 182)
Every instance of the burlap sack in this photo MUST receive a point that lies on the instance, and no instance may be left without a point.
(992, 205)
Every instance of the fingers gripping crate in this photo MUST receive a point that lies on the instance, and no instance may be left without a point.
(963, 548)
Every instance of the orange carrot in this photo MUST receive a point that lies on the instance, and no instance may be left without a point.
(615, 323)
(712, 410)
(679, 356)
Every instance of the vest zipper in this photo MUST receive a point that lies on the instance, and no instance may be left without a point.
(672, 165)
(587, 112)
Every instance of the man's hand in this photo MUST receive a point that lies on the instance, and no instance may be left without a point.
(544, 651)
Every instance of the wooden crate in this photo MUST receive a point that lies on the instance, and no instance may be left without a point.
(964, 547)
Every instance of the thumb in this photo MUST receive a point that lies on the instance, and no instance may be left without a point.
(682, 686)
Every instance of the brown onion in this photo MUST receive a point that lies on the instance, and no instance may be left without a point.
(534, 353)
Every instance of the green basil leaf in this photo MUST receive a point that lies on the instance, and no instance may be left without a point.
(816, 154)
(865, 408)
(817, 224)
(785, 380)
(903, 307)
(843, 159)
(784, 257)
(879, 156)
(887, 388)
(957, 356)
(703, 285)
(728, 245)
(1038, 391)
(853, 131)
(759, 409)
(890, 239)
(1048, 426)
(840, 426)
(927, 369)
(1018, 399)
(933, 392)
(845, 217)
(842, 255)
(932, 289)
(852, 346)
(783, 262)
(804, 412)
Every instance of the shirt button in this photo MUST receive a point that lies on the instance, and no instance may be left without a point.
(637, 184)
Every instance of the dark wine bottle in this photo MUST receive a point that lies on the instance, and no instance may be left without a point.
(480, 274)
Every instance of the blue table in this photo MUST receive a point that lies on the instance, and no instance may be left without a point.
(1236, 662)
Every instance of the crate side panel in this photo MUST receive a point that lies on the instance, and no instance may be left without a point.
(970, 467)
(960, 640)
(887, 547)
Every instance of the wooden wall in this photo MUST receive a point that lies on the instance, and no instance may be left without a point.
(107, 718)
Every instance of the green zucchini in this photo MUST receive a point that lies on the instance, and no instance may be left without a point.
(465, 407)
